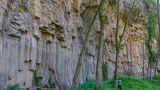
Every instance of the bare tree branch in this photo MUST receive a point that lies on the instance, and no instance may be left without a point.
(78, 66)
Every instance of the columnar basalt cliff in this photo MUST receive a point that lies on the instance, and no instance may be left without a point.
(46, 36)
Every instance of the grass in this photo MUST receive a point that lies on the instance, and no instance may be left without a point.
(14, 87)
(128, 83)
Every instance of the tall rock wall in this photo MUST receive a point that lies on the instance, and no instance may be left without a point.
(46, 36)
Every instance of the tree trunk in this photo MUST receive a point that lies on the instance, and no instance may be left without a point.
(150, 66)
(131, 58)
(143, 58)
(148, 71)
(100, 48)
(158, 16)
(150, 62)
(116, 68)
(158, 11)
(79, 64)
(155, 72)
(116, 47)
(128, 72)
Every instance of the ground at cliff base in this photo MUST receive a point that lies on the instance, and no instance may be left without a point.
(129, 83)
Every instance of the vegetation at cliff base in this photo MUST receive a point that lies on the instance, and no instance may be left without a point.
(128, 83)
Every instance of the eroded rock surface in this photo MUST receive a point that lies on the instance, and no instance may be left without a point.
(46, 36)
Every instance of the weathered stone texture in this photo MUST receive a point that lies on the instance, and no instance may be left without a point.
(47, 35)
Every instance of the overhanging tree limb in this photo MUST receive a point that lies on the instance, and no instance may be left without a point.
(78, 66)
(126, 24)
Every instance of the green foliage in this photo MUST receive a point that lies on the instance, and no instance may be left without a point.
(150, 28)
(158, 42)
(151, 25)
(105, 71)
(158, 47)
(51, 82)
(156, 79)
(35, 79)
(89, 85)
(22, 8)
(128, 83)
(14, 87)
(149, 3)
(20, 0)
(2, 88)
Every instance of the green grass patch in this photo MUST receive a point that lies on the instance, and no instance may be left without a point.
(128, 83)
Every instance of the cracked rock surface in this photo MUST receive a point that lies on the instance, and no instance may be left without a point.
(46, 36)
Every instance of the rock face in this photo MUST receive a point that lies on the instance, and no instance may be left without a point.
(46, 36)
